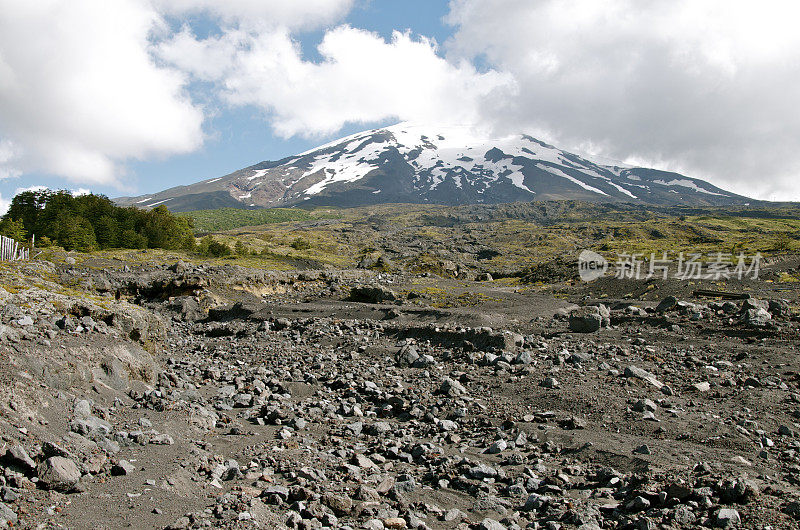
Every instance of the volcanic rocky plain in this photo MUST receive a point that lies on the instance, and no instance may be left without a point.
(188, 395)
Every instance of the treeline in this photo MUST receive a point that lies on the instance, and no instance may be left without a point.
(90, 222)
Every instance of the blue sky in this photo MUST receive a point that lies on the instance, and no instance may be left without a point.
(134, 96)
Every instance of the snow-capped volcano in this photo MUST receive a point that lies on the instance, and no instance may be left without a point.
(410, 163)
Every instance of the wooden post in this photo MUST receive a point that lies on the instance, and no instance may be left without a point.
(11, 250)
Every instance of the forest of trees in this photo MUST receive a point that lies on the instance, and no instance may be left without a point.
(90, 222)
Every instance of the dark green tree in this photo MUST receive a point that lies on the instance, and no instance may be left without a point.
(15, 229)
(76, 233)
(130, 239)
(27, 207)
(107, 232)
(240, 249)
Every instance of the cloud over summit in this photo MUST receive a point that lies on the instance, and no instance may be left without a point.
(708, 87)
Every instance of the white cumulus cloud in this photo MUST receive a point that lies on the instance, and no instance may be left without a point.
(708, 87)
(361, 78)
(80, 92)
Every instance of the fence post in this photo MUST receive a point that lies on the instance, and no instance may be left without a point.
(10, 250)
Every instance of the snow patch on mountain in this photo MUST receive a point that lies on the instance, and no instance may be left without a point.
(257, 173)
(558, 172)
(687, 184)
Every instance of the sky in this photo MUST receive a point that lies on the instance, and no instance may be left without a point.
(133, 96)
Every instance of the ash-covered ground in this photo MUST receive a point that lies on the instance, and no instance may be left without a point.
(191, 396)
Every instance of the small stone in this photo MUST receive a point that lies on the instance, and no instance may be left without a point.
(497, 447)
(482, 471)
(783, 430)
(25, 320)
(355, 428)
(549, 382)
(162, 439)
(123, 467)
(454, 514)
(341, 504)
(644, 405)
(523, 357)
(490, 524)
(727, 517)
(643, 450)
(407, 356)
(363, 462)
(637, 504)
(232, 470)
(394, 522)
(683, 515)
(667, 304)
(182, 523)
(17, 456)
(644, 375)
(536, 502)
(573, 423)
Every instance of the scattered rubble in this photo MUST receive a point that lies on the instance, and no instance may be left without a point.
(301, 403)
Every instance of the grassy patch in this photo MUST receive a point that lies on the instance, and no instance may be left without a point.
(224, 219)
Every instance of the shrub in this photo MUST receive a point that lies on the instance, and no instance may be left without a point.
(300, 243)
(209, 247)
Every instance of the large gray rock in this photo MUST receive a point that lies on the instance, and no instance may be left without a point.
(138, 324)
(639, 373)
(585, 321)
(123, 467)
(372, 295)
(727, 518)
(59, 473)
(451, 387)
(407, 356)
(122, 364)
(490, 524)
(91, 427)
(588, 319)
(7, 515)
(754, 303)
(9, 334)
(756, 317)
(82, 409)
(18, 457)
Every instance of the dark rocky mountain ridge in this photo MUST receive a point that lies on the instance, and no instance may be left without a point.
(408, 163)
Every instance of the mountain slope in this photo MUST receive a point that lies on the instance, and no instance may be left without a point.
(410, 163)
